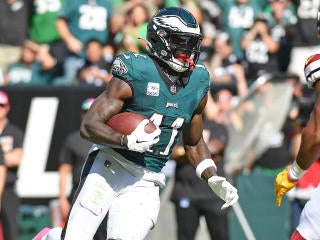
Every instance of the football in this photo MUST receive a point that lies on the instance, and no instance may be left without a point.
(127, 122)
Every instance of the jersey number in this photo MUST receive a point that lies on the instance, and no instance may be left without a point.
(93, 18)
(175, 125)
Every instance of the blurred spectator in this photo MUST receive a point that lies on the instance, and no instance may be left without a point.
(305, 41)
(135, 27)
(211, 25)
(33, 68)
(260, 49)
(281, 17)
(72, 156)
(295, 108)
(13, 29)
(78, 22)
(219, 105)
(194, 8)
(239, 15)
(43, 17)
(11, 140)
(226, 69)
(128, 23)
(3, 176)
(96, 68)
(192, 197)
(43, 31)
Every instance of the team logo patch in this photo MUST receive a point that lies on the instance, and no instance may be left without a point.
(119, 67)
(173, 105)
(153, 89)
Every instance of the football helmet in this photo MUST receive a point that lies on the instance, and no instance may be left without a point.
(312, 70)
(174, 37)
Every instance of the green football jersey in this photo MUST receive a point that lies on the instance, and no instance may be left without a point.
(153, 98)
(43, 19)
(239, 17)
(88, 19)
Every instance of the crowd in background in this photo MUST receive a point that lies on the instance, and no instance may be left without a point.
(63, 42)
(73, 43)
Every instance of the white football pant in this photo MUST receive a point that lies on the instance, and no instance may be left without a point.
(128, 193)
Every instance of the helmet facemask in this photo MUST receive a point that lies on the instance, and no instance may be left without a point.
(185, 50)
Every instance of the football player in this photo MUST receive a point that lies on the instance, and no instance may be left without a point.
(309, 152)
(121, 177)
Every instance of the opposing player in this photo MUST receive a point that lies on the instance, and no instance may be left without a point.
(309, 152)
(121, 177)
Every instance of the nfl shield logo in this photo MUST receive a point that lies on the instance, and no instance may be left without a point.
(153, 89)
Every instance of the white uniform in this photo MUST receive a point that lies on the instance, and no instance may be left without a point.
(128, 193)
(309, 226)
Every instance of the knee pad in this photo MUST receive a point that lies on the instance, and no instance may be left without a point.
(94, 191)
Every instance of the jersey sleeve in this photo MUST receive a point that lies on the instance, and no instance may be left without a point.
(126, 67)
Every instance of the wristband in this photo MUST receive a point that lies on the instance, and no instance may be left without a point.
(296, 172)
(203, 165)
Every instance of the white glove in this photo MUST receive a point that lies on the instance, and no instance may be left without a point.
(224, 190)
(139, 140)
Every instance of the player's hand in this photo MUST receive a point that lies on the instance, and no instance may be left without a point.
(282, 185)
(139, 140)
(224, 190)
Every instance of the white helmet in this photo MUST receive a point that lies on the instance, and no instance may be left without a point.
(312, 70)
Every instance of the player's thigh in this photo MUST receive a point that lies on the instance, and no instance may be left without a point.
(134, 212)
(89, 208)
(94, 197)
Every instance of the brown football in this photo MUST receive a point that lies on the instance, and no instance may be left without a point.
(126, 122)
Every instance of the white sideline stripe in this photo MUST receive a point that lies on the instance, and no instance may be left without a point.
(243, 221)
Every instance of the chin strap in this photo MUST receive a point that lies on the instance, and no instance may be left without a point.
(191, 64)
